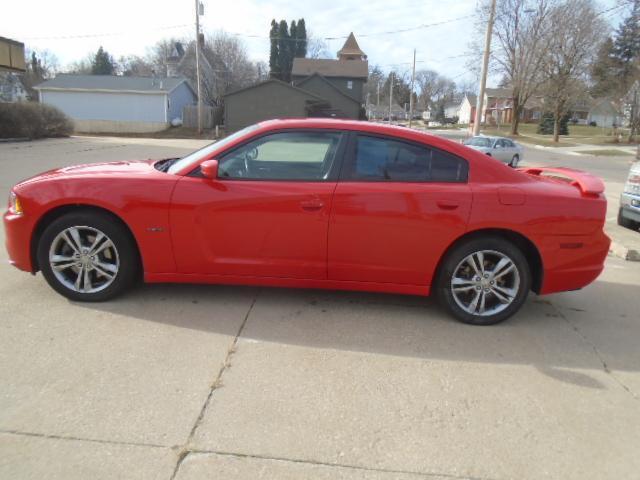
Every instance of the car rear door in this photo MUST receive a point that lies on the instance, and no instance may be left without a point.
(267, 213)
(397, 207)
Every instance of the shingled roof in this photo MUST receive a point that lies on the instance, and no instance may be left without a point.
(351, 47)
(112, 83)
(304, 67)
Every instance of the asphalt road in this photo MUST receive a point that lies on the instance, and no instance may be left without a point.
(195, 382)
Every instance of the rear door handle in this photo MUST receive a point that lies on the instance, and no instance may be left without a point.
(312, 205)
(447, 204)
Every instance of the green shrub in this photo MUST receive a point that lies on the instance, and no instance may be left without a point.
(546, 124)
(33, 120)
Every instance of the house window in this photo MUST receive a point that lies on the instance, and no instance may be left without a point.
(350, 84)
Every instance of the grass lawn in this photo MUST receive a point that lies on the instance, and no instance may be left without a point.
(578, 135)
(608, 153)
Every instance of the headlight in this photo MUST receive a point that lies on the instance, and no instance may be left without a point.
(15, 207)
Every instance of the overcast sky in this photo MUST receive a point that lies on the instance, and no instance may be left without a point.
(72, 29)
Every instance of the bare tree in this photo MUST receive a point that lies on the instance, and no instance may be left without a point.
(575, 34)
(434, 88)
(317, 47)
(520, 42)
(225, 66)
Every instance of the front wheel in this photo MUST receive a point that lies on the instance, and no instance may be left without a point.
(514, 161)
(87, 256)
(484, 281)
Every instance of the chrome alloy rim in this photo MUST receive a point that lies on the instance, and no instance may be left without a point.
(84, 259)
(485, 283)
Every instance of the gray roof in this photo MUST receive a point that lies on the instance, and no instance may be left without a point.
(330, 68)
(500, 92)
(112, 83)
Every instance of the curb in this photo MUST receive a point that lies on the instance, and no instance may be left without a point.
(618, 250)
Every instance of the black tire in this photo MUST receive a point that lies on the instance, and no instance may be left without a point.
(127, 254)
(454, 258)
(514, 161)
(627, 222)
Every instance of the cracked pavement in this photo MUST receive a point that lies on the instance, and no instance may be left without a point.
(191, 382)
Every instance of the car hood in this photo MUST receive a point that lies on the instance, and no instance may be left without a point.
(120, 168)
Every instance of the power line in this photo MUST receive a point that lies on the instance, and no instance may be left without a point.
(249, 35)
(106, 34)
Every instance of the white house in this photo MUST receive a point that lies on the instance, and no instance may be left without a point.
(11, 88)
(108, 103)
(467, 109)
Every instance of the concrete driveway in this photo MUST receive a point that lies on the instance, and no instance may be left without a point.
(195, 382)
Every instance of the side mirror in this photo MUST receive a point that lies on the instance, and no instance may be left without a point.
(209, 169)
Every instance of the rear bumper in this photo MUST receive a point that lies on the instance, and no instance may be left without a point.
(18, 230)
(571, 262)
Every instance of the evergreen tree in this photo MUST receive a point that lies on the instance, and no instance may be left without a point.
(274, 67)
(301, 35)
(627, 44)
(102, 63)
(604, 71)
(547, 121)
(284, 51)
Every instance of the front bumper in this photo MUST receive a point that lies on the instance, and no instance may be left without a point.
(17, 229)
(630, 205)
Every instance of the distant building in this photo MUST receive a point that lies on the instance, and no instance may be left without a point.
(106, 103)
(319, 88)
(12, 89)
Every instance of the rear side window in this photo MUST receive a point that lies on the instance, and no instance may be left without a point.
(379, 159)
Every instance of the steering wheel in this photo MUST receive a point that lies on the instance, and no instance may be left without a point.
(249, 156)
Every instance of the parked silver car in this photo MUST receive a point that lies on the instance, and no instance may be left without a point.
(629, 212)
(503, 149)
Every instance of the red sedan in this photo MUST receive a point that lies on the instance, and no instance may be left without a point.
(316, 204)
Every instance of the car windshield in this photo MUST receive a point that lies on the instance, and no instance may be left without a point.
(479, 142)
(192, 158)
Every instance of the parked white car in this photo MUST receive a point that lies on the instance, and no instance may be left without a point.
(629, 212)
(503, 149)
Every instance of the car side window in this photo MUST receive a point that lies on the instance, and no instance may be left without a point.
(283, 156)
(508, 143)
(383, 159)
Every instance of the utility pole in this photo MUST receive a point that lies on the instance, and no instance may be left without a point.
(485, 66)
(378, 101)
(413, 79)
(390, 94)
(198, 66)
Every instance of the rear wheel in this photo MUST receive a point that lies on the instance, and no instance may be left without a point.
(484, 281)
(626, 222)
(87, 256)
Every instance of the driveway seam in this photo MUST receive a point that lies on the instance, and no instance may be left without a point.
(595, 350)
(217, 383)
(340, 465)
(82, 439)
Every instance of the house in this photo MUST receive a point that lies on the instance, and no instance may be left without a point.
(269, 99)
(107, 103)
(604, 113)
(467, 110)
(319, 88)
(12, 89)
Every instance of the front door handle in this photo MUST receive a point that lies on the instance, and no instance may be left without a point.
(312, 205)
(447, 204)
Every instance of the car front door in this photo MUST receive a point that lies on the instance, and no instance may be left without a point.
(396, 209)
(266, 215)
